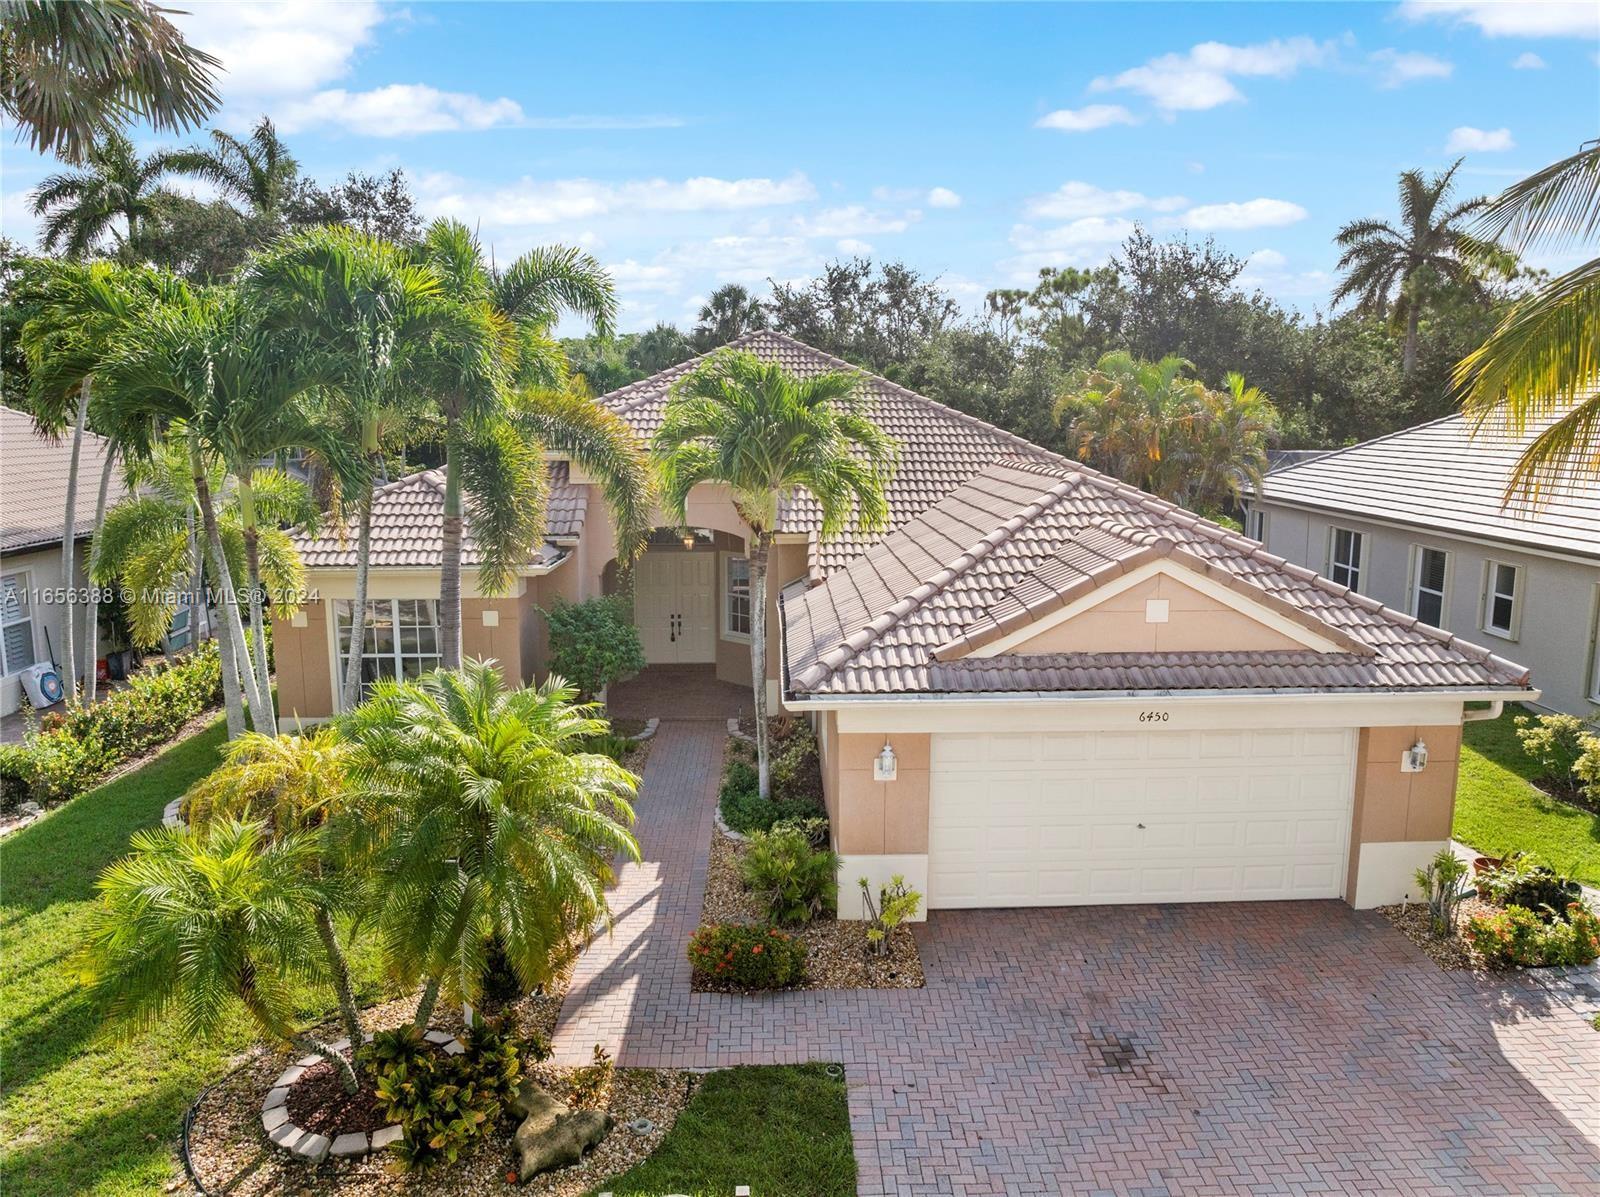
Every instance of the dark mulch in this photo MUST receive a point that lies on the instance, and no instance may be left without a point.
(318, 1102)
(1567, 795)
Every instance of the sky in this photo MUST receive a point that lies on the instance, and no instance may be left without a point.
(691, 145)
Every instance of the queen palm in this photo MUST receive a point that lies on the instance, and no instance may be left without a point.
(1386, 269)
(257, 171)
(111, 195)
(72, 73)
(767, 434)
(497, 424)
(192, 921)
(1117, 411)
(497, 826)
(1543, 361)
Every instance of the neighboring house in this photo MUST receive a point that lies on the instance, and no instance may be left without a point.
(1038, 687)
(33, 508)
(1415, 521)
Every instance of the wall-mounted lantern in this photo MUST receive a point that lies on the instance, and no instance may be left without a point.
(1415, 758)
(883, 765)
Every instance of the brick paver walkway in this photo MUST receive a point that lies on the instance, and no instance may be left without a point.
(1143, 1050)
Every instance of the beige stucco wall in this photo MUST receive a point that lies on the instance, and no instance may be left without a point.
(501, 642)
(880, 817)
(1407, 815)
(304, 664)
(1196, 622)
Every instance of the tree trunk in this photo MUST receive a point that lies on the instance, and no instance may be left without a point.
(430, 991)
(91, 620)
(339, 970)
(759, 549)
(358, 608)
(258, 632)
(69, 547)
(1409, 361)
(232, 628)
(309, 1044)
(450, 573)
(232, 698)
(199, 604)
(313, 1046)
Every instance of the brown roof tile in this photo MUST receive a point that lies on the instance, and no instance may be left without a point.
(33, 483)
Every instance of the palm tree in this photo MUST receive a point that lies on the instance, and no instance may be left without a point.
(504, 479)
(1386, 269)
(82, 207)
(500, 827)
(71, 73)
(766, 434)
(258, 171)
(192, 921)
(371, 318)
(730, 313)
(1543, 360)
(1116, 410)
(294, 785)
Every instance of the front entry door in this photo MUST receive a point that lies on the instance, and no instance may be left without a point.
(675, 603)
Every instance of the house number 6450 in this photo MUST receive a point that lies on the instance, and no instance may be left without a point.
(1152, 716)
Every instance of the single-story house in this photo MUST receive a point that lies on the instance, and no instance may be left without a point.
(33, 506)
(1039, 687)
(1415, 520)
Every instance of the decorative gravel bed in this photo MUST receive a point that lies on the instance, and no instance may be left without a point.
(1454, 953)
(836, 950)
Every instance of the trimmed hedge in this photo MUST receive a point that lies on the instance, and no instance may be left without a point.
(74, 749)
(746, 957)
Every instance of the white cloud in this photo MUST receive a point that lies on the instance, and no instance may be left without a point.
(630, 275)
(1203, 77)
(1076, 199)
(1528, 61)
(852, 221)
(1086, 230)
(1251, 214)
(1497, 18)
(398, 110)
(739, 258)
(1399, 67)
(1464, 139)
(530, 201)
(849, 245)
(943, 197)
(282, 48)
(1086, 119)
(1268, 259)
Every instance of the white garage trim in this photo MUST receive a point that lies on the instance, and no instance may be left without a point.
(1153, 815)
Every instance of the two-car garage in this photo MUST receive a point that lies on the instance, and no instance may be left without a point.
(1153, 815)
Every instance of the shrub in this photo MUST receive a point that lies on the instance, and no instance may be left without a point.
(608, 744)
(586, 1086)
(743, 808)
(594, 643)
(796, 766)
(1521, 880)
(1441, 884)
(796, 881)
(749, 957)
(814, 828)
(1557, 742)
(1516, 935)
(897, 902)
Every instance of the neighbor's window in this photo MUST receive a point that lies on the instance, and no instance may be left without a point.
(1427, 586)
(16, 624)
(1344, 558)
(1255, 524)
(401, 637)
(736, 606)
(1500, 599)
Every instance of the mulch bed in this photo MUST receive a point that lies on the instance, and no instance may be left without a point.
(836, 950)
(1454, 953)
(317, 1102)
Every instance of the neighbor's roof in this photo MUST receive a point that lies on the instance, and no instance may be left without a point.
(408, 526)
(1024, 538)
(1443, 476)
(33, 483)
(939, 447)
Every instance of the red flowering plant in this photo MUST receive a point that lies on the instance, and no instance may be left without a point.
(746, 957)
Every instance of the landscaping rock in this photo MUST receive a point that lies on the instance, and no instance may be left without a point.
(536, 1106)
(561, 1143)
(389, 1134)
(351, 1144)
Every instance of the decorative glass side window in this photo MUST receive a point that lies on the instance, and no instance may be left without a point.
(1500, 603)
(1427, 587)
(400, 638)
(16, 624)
(736, 618)
(1344, 558)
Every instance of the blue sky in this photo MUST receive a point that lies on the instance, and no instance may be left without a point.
(690, 145)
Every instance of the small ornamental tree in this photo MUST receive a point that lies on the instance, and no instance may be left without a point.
(594, 644)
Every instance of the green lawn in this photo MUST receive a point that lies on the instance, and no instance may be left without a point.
(781, 1129)
(83, 1111)
(1498, 808)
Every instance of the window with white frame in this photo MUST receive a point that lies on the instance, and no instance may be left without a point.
(1427, 585)
(736, 596)
(1255, 524)
(1344, 557)
(16, 624)
(400, 637)
(1502, 596)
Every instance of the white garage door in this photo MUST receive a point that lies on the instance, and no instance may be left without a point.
(1066, 819)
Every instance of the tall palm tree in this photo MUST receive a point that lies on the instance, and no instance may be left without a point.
(111, 195)
(257, 171)
(503, 475)
(1386, 268)
(372, 319)
(71, 73)
(1544, 358)
(729, 313)
(500, 827)
(766, 434)
(194, 920)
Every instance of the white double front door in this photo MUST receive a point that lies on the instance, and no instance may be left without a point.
(674, 604)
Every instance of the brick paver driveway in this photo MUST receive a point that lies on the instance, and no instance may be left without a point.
(1263, 1048)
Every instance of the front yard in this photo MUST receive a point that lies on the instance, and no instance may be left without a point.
(1498, 807)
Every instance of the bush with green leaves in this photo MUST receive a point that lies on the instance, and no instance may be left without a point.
(796, 792)
(747, 957)
(1558, 743)
(897, 903)
(1518, 936)
(1442, 885)
(793, 880)
(1522, 880)
(594, 644)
